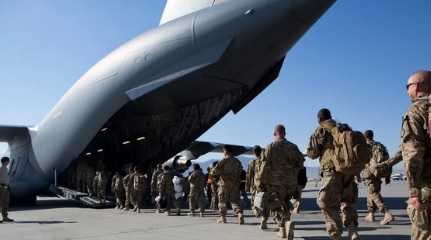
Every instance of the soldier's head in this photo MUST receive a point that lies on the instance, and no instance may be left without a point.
(323, 115)
(257, 150)
(166, 168)
(369, 135)
(131, 169)
(5, 161)
(419, 84)
(196, 166)
(279, 132)
(227, 150)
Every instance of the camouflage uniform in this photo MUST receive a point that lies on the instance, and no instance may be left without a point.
(88, 178)
(196, 196)
(416, 152)
(166, 190)
(139, 185)
(229, 171)
(154, 177)
(128, 187)
(336, 187)
(213, 181)
(281, 161)
(374, 198)
(99, 185)
(117, 188)
(249, 183)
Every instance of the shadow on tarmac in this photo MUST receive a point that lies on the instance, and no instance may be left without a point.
(44, 222)
(367, 237)
(309, 204)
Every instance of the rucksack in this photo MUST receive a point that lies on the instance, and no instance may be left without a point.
(351, 151)
(379, 166)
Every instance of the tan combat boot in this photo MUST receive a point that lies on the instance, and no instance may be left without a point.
(282, 232)
(240, 219)
(222, 219)
(387, 219)
(369, 217)
(353, 234)
(263, 224)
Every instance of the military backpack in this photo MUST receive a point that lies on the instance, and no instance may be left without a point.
(351, 151)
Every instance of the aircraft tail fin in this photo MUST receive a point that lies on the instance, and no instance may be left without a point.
(178, 8)
(8, 133)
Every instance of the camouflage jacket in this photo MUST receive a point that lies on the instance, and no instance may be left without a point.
(416, 147)
(154, 178)
(139, 182)
(165, 185)
(281, 162)
(229, 172)
(197, 181)
(249, 184)
(321, 145)
(379, 155)
(128, 181)
(117, 183)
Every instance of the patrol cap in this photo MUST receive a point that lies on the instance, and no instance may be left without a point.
(324, 114)
(369, 134)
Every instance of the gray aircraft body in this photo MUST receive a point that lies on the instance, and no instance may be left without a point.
(156, 94)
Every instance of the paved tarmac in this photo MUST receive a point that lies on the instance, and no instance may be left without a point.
(60, 219)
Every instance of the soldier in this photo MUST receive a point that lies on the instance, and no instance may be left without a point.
(100, 186)
(373, 180)
(229, 171)
(278, 178)
(166, 191)
(213, 180)
(139, 183)
(208, 187)
(197, 184)
(249, 184)
(416, 152)
(117, 188)
(337, 187)
(179, 191)
(128, 187)
(4, 189)
(157, 171)
(89, 175)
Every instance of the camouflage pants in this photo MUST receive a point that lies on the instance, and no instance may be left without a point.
(214, 197)
(374, 198)
(279, 203)
(196, 200)
(130, 198)
(421, 226)
(4, 200)
(338, 189)
(226, 195)
(120, 197)
(139, 197)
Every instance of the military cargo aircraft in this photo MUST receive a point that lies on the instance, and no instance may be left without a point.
(156, 94)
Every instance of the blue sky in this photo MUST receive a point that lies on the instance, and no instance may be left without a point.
(355, 61)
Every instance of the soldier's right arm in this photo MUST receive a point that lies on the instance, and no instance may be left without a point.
(315, 145)
(413, 140)
(397, 158)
